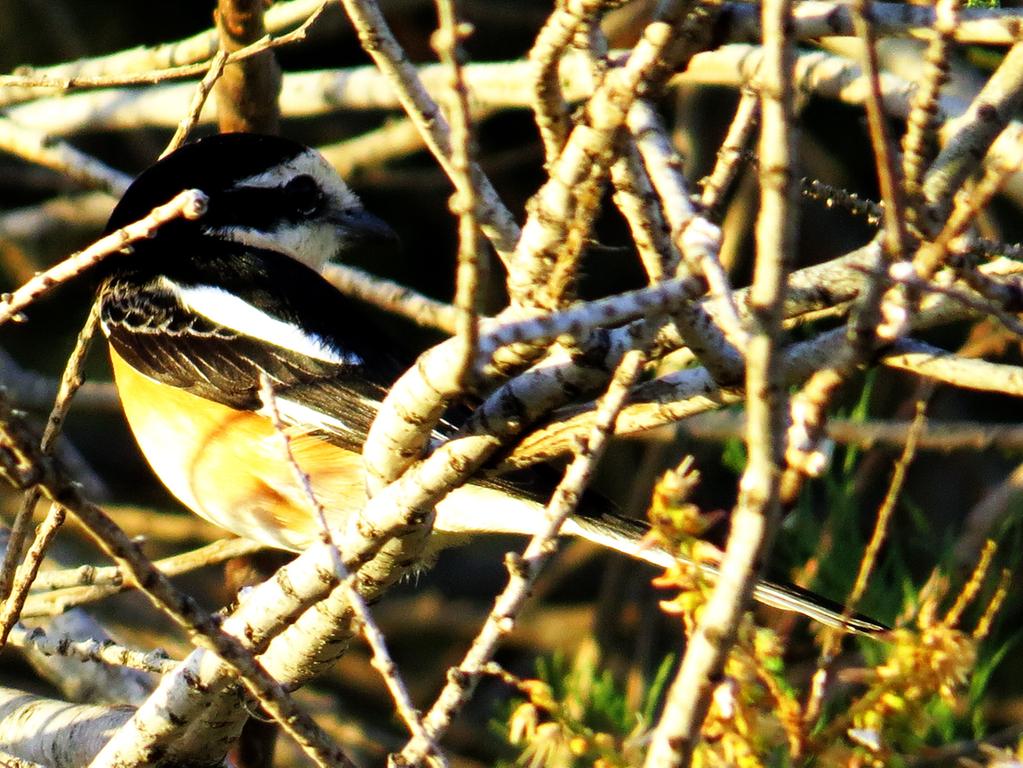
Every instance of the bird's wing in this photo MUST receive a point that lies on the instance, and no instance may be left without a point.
(218, 332)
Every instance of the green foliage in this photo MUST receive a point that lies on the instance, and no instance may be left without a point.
(987, 663)
(733, 455)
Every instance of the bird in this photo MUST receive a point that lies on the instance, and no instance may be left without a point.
(206, 312)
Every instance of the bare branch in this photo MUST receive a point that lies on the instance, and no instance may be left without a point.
(190, 204)
(14, 586)
(55, 733)
(377, 40)
(61, 157)
(677, 732)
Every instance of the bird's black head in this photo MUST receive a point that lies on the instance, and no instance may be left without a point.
(265, 192)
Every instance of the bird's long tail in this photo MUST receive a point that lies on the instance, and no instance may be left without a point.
(627, 536)
(500, 507)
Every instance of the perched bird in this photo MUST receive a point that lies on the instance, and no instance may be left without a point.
(204, 311)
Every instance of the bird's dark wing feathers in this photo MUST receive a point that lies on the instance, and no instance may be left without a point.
(162, 338)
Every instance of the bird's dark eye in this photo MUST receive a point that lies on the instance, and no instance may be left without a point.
(304, 194)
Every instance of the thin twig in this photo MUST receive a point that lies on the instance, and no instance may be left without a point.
(106, 652)
(14, 586)
(941, 435)
(190, 204)
(832, 638)
(464, 203)
(26, 572)
(635, 197)
(202, 92)
(922, 125)
(149, 65)
(87, 584)
(364, 158)
(393, 297)
(40, 148)
(660, 298)
(972, 585)
(730, 154)
(377, 40)
(524, 569)
(896, 237)
(676, 734)
(382, 660)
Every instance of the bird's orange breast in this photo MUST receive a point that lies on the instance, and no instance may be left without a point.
(231, 466)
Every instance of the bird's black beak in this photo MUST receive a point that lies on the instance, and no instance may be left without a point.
(362, 233)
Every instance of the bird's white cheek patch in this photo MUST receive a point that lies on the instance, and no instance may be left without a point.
(230, 311)
(310, 243)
